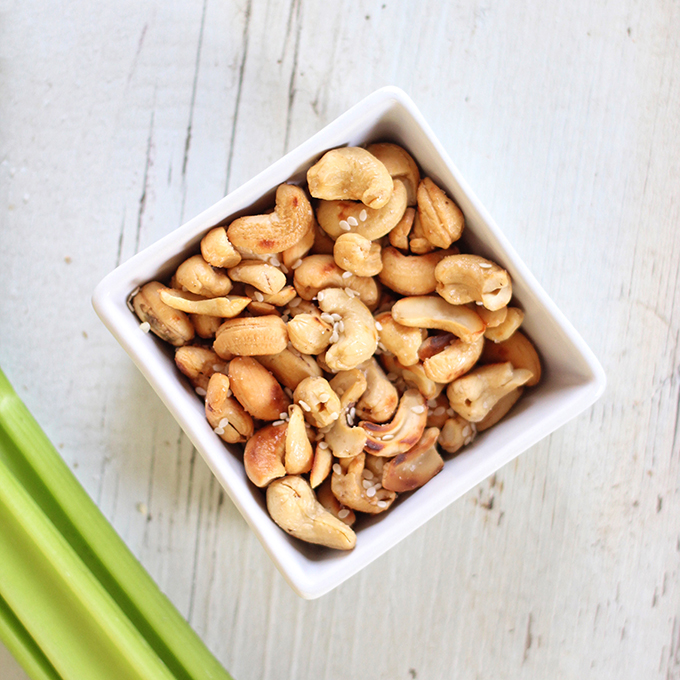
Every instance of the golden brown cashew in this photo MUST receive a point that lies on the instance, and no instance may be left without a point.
(417, 242)
(167, 323)
(280, 299)
(256, 389)
(410, 470)
(290, 367)
(321, 467)
(413, 376)
(410, 274)
(519, 351)
(403, 432)
(309, 334)
(223, 307)
(504, 330)
(398, 237)
(339, 217)
(345, 440)
(453, 361)
(433, 312)
(350, 173)
(318, 272)
(251, 336)
(324, 495)
(490, 319)
(348, 488)
(456, 433)
(276, 231)
(265, 277)
(198, 364)
(292, 505)
(264, 453)
(476, 393)
(226, 416)
(499, 411)
(197, 276)
(217, 249)
(205, 326)
(299, 454)
(402, 341)
(471, 278)
(441, 220)
(357, 338)
(318, 400)
(400, 165)
(291, 256)
(379, 402)
(357, 254)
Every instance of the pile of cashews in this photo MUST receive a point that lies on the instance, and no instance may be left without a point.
(347, 344)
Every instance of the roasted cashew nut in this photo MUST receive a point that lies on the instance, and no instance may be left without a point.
(350, 173)
(226, 416)
(358, 255)
(400, 165)
(292, 505)
(275, 232)
(454, 360)
(471, 278)
(290, 366)
(500, 409)
(441, 220)
(503, 331)
(410, 470)
(398, 237)
(299, 454)
(410, 274)
(417, 242)
(251, 336)
(198, 364)
(167, 323)
(309, 334)
(265, 277)
(285, 296)
(217, 249)
(197, 276)
(456, 433)
(318, 400)
(344, 439)
(519, 351)
(264, 453)
(325, 496)
(321, 468)
(379, 402)
(257, 390)
(223, 307)
(413, 376)
(348, 487)
(402, 341)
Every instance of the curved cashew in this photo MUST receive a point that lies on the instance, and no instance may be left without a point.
(417, 242)
(197, 276)
(309, 334)
(292, 505)
(433, 312)
(476, 393)
(276, 231)
(519, 351)
(410, 274)
(398, 237)
(226, 416)
(403, 432)
(265, 277)
(490, 319)
(223, 307)
(454, 360)
(357, 338)
(402, 341)
(504, 330)
(350, 173)
(413, 376)
(321, 467)
(347, 486)
(299, 454)
(198, 364)
(318, 272)
(503, 405)
(319, 401)
(167, 323)
(264, 453)
(471, 278)
(262, 309)
(442, 221)
(357, 254)
(290, 367)
(345, 440)
(205, 326)
(251, 336)
(256, 389)
(456, 433)
(410, 470)
(400, 165)
(217, 249)
(339, 217)
(325, 496)
(379, 402)
(286, 295)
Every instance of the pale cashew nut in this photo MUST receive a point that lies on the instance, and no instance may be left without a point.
(223, 307)
(293, 506)
(433, 312)
(501, 408)
(290, 366)
(339, 217)
(417, 242)
(286, 295)
(226, 416)
(205, 326)
(251, 336)
(299, 454)
(357, 337)
(350, 173)
(325, 496)
(477, 392)
(197, 276)
(456, 433)
(490, 318)
(358, 255)
(503, 331)
(519, 351)
(198, 364)
(410, 470)
(318, 272)
(472, 278)
(348, 487)
(257, 390)
(442, 221)
(402, 341)
(379, 402)
(398, 237)
(410, 274)
(345, 440)
(413, 376)
(318, 400)
(265, 277)
(309, 334)
(217, 249)
(403, 432)
(275, 232)
(263, 454)
(400, 165)
(291, 256)
(321, 467)
(262, 309)
(453, 361)
(167, 323)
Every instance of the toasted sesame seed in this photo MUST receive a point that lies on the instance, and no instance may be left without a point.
(366, 484)
(467, 440)
(201, 392)
(323, 445)
(346, 275)
(382, 346)
(480, 303)
(319, 295)
(352, 221)
(305, 405)
(353, 411)
(216, 367)
(343, 513)
(370, 492)
(229, 393)
(367, 474)
(288, 391)
(341, 327)
(283, 415)
(485, 404)
(392, 377)
(324, 397)
(296, 264)
(344, 225)
(145, 327)
(275, 261)
(378, 326)
(294, 302)
(336, 316)
(418, 409)
(485, 265)
(439, 411)
(337, 469)
(382, 504)
(258, 296)
(223, 423)
(387, 437)
(327, 317)
(335, 416)
(432, 403)
(466, 431)
(278, 422)
(377, 486)
(363, 215)
(450, 412)
(334, 337)
(219, 430)
(283, 268)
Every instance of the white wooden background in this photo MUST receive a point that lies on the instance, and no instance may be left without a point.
(121, 120)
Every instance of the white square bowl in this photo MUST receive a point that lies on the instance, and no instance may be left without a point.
(572, 380)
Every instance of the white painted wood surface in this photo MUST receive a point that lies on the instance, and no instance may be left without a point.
(119, 121)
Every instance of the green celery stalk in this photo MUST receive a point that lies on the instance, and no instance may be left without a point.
(31, 460)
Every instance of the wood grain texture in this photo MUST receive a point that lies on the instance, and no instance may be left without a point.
(120, 121)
